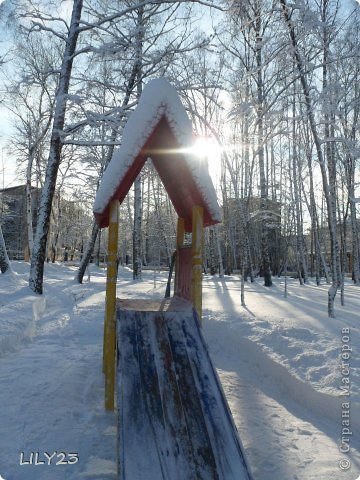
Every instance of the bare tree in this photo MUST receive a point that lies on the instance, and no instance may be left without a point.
(5, 265)
(30, 99)
(54, 159)
(328, 179)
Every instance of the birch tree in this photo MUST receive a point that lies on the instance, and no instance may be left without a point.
(250, 53)
(137, 234)
(328, 179)
(5, 265)
(54, 159)
(348, 121)
(30, 99)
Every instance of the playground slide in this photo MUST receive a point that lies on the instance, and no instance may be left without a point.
(174, 421)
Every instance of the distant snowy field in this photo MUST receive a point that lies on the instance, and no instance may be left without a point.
(279, 361)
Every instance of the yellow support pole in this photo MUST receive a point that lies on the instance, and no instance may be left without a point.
(197, 258)
(180, 235)
(110, 306)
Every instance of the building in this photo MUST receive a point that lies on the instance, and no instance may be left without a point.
(13, 219)
(69, 227)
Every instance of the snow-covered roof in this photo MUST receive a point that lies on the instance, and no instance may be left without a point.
(160, 129)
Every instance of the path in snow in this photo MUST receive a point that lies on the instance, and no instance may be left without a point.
(51, 393)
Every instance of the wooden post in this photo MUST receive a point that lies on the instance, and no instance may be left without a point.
(110, 306)
(197, 260)
(180, 234)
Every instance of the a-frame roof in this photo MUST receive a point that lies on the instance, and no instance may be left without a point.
(160, 129)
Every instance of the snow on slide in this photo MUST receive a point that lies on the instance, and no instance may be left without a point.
(174, 421)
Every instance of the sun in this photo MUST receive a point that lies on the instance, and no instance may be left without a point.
(208, 149)
(203, 147)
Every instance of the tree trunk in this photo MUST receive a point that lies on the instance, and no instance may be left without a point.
(54, 158)
(29, 213)
(137, 256)
(265, 257)
(311, 204)
(212, 255)
(355, 243)
(97, 252)
(87, 254)
(242, 288)
(220, 259)
(350, 180)
(5, 265)
(302, 266)
(137, 236)
(328, 185)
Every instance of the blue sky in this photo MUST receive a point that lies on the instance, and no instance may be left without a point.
(7, 162)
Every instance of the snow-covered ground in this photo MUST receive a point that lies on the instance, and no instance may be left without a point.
(280, 362)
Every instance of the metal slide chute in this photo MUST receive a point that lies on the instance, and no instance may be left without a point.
(173, 418)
